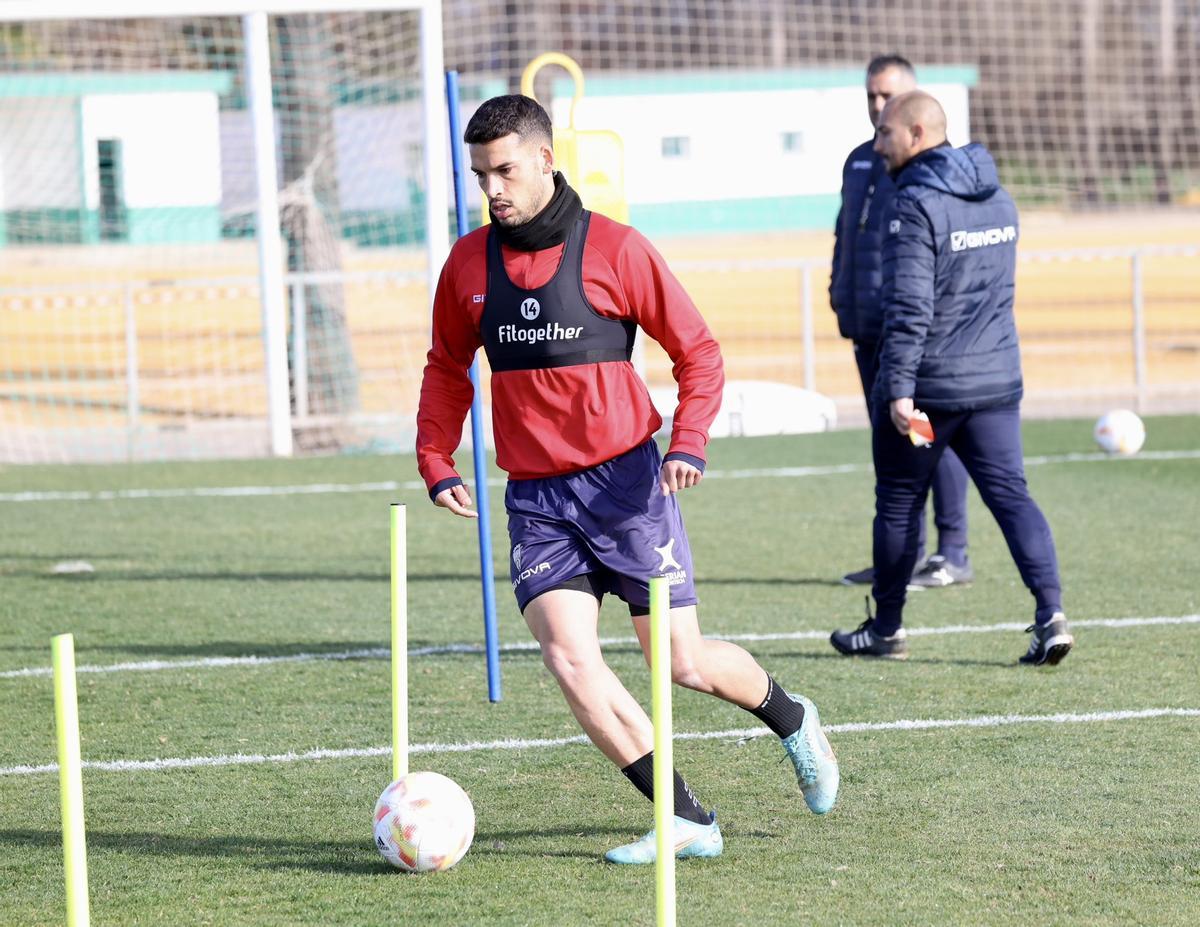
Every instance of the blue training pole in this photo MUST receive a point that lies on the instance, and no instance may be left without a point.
(486, 572)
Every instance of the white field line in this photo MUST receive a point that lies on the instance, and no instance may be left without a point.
(383, 653)
(854, 727)
(108, 495)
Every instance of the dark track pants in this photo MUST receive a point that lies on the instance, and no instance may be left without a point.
(949, 478)
(988, 442)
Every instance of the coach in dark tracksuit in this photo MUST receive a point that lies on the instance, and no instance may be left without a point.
(949, 350)
(854, 293)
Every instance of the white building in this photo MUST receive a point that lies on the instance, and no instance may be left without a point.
(741, 151)
(122, 157)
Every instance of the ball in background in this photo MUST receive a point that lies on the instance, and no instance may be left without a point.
(424, 822)
(1120, 432)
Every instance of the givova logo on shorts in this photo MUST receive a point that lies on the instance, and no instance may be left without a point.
(522, 575)
(963, 240)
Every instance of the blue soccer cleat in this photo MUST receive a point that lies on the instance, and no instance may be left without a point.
(691, 839)
(811, 755)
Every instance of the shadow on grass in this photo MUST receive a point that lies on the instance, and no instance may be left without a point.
(347, 857)
(227, 649)
(912, 660)
(356, 857)
(57, 557)
(266, 576)
(538, 842)
(831, 654)
(379, 649)
(1004, 664)
(317, 649)
(704, 580)
(246, 648)
(274, 576)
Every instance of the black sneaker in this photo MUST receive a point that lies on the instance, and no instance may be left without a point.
(1050, 642)
(863, 642)
(863, 577)
(938, 571)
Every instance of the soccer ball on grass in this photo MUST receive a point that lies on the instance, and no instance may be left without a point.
(1120, 432)
(424, 822)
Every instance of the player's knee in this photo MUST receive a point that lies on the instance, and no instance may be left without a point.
(685, 672)
(568, 667)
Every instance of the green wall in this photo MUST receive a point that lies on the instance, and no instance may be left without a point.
(756, 214)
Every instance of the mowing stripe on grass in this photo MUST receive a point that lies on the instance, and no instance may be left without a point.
(109, 495)
(512, 743)
(383, 653)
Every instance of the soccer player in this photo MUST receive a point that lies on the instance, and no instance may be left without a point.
(949, 350)
(854, 292)
(554, 294)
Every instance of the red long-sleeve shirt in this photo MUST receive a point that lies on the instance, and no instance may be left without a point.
(560, 420)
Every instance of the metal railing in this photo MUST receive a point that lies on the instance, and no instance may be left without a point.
(812, 272)
(1135, 255)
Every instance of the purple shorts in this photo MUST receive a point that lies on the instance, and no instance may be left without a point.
(610, 521)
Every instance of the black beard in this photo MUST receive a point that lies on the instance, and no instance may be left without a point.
(550, 226)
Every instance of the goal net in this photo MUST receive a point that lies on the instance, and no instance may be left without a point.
(131, 292)
(737, 116)
(131, 288)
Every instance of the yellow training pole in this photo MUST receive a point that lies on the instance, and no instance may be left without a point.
(399, 642)
(664, 762)
(70, 778)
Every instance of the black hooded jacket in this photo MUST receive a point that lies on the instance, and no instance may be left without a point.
(949, 263)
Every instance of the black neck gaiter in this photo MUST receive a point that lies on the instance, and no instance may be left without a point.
(550, 226)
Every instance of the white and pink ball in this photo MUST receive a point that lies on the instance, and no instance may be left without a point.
(1120, 432)
(424, 822)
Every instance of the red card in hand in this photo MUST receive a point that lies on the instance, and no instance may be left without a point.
(920, 432)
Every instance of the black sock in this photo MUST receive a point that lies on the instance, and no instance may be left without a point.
(778, 712)
(641, 773)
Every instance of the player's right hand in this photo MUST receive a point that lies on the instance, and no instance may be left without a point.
(901, 411)
(458, 500)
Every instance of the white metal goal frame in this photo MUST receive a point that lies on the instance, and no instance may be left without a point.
(254, 15)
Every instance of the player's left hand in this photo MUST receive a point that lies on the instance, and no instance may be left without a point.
(902, 410)
(676, 475)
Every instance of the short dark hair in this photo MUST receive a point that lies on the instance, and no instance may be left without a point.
(881, 63)
(501, 116)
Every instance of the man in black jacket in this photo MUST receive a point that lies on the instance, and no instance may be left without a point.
(949, 373)
(854, 291)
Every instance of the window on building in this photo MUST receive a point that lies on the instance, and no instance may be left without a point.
(676, 146)
(792, 142)
(114, 224)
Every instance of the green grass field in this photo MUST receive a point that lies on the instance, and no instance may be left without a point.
(1082, 819)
